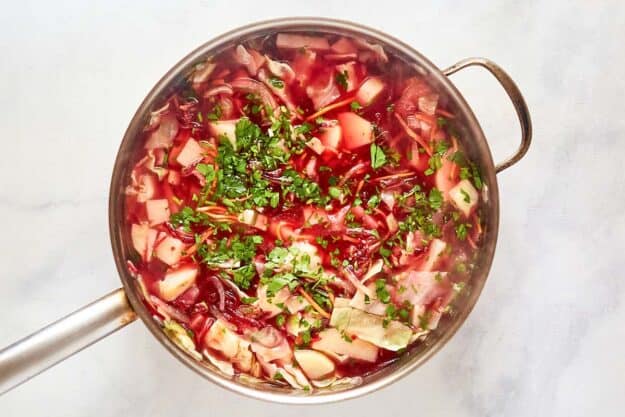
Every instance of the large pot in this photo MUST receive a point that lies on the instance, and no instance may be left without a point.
(50, 345)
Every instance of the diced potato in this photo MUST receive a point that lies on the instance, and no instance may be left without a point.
(254, 219)
(222, 338)
(464, 196)
(357, 131)
(427, 104)
(169, 250)
(139, 237)
(331, 342)
(176, 282)
(269, 304)
(163, 136)
(371, 328)
(330, 136)
(297, 323)
(224, 128)
(349, 70)
(369, 91)
(316, 145)
(437, 247)
(314, 364)
(147, 188)
(157, 211)
(190, 153)
(143, 238)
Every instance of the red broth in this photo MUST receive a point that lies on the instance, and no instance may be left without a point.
(302, 211)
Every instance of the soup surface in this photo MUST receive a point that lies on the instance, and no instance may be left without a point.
(302, 210)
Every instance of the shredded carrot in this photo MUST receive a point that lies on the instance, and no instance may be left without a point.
(205, 235)
(445, 113)
(351, 239)
(330, 293)
(413, 135)
(396, 175)
(425, 118)
(360, 184)
(211, 209)
(331, 107)
(313, 303)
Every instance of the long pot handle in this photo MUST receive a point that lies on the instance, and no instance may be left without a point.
(45, 348)
(517, 101)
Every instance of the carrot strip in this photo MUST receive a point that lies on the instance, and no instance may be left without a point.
(425, 118)
(445, 113)
(396, 175)
(331, 107)
(413, 135)
(193, 248)
(313, 303)
(330, 293)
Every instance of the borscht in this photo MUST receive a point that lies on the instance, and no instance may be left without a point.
(302, 210)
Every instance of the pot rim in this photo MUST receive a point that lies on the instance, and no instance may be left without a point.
(320, 24)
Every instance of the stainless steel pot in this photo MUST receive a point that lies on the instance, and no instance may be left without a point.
(50, 345)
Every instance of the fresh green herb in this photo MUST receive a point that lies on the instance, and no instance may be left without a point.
(461, 230)
(304, 189)
(435, 199)
(465, 196)
(249, 300)
(346, 337)
(384, 252)
(243, 276)
(233, 255)
(355, 106)
(374, 201)
(306, 337)
(378, 158)
(215, 114)
(322, 242)
(436, 160)
(187, 217)
(334, 192)
(381, 291)
(280, 319)
(276, 82)
(341, 79)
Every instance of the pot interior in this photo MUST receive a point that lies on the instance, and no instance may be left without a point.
(474, 144)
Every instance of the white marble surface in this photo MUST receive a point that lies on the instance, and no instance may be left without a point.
(546, 336)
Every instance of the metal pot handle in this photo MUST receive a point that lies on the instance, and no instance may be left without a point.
(50, 345)
(517, 101)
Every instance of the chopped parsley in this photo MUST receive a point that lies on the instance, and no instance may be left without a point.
(276, 82)
(341, 79)
(187, 217)
(378, 158)
(381, 291)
